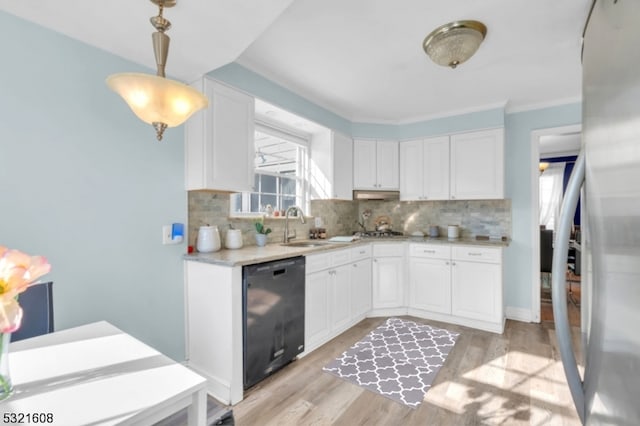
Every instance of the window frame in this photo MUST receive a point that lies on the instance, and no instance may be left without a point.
(303, 142)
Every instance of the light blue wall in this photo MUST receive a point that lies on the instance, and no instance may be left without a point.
(519, 255)
(86, 184)
(255, 84)
(439, 126)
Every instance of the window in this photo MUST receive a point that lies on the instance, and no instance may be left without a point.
(280, 167)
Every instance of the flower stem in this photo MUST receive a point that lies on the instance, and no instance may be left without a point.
(4, 382)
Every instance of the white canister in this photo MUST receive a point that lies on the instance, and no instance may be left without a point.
(453, 232)
(208, 239)
(233, 239)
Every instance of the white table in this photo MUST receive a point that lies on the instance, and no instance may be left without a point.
(98, 375)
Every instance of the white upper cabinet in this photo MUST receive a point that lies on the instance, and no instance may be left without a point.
(331, 166)
(364, 165)
(219, 141)
(342, 167)
(466, 166)
(477, 165)
(424, 169)
(375, 165)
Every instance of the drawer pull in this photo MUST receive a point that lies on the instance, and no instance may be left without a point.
(474, 254)
(362, 252)
(429, 251)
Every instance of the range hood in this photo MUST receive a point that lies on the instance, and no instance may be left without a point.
(376, 195)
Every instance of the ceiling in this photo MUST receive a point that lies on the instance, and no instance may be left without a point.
(361, 59)
(205, 34)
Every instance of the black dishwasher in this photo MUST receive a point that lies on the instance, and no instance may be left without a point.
(273, 316)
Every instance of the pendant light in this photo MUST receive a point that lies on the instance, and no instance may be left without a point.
(543, 166)
(157, 100)
(454, 43)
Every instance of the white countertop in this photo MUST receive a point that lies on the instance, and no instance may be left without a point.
(253, 254)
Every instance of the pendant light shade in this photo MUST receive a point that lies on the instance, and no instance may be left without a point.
(157, 100)
(454, 43)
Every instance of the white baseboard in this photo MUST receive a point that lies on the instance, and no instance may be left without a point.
(519, 314)
(386, 312)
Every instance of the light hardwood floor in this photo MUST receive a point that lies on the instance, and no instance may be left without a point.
(509, 379)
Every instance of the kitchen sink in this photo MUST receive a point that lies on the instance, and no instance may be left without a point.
(305, 244)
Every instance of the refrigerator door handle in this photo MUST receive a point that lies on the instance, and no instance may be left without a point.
(558, 285)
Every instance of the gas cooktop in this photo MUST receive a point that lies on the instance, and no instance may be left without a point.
(378, 234)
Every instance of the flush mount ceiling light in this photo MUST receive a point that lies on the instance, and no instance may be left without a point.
(157, 100)
(453, 43)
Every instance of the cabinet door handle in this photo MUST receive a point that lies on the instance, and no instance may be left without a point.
(453, 197)
(446, 263)
(375, 260)
(453, 263)
(355, 265)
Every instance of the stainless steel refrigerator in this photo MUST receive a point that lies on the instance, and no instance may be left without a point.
(608, 170)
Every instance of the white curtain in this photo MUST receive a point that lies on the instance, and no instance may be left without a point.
(551, 194)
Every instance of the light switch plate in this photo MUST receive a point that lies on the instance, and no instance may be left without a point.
(166, 234)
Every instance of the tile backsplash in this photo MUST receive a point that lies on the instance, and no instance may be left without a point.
(212, 208)
(474, 217)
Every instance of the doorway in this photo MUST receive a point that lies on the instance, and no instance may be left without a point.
(548, 143)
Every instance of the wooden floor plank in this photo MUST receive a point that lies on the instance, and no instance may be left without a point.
(514, 378)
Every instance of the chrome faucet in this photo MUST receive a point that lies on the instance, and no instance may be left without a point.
(287, 238)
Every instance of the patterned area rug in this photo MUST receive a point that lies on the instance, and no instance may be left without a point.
(398, 360)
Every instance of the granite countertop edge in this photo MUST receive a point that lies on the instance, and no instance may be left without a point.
(250, 255)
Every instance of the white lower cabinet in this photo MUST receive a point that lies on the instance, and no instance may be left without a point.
(338, 293)
(388, 275)
(361, 288)
(458, 284)
(430, 284)
(213, 296)
(476, 290)
(316, 316)
(340, 297)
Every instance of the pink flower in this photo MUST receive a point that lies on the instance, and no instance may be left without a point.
(10, 315)
(17, 272)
